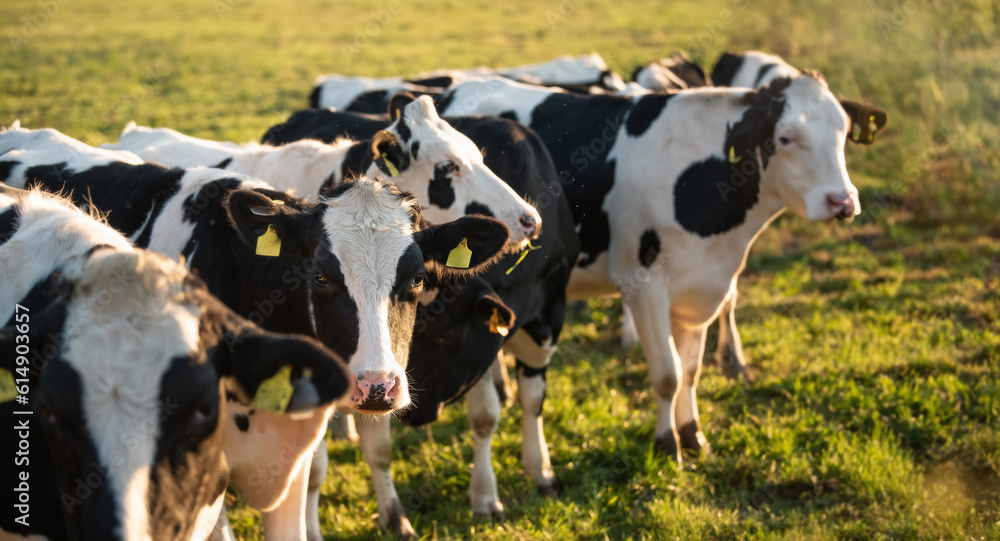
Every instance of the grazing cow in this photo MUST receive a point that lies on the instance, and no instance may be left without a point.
(123, 358)
(420, 152)
(347, 269)
(584, 73)
(676, 72)
(534, 290)
(670, 190)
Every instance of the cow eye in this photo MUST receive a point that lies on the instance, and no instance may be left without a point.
(447, 166)
(785, 141)
(320, 279)
(203, 420)
(418, 280)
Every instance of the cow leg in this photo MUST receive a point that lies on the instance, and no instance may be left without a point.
(317, 474)
(729, 353)
(630, 336)
(532, 359)
(498, 371)
(288, 520)
(376, 444)
(342, 426)
(651, 308)
(484, 416)
(222, 530)
(690, 344)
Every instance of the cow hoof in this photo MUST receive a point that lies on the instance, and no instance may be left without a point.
(552, 490)
(667, 446)
(495, 513)
(398, 524)
(693, 439)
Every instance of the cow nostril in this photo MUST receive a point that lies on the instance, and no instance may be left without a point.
(528, 223)
(392, 389)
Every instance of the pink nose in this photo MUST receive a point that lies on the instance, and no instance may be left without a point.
(528, 224)
(376, 390)
(841, 205)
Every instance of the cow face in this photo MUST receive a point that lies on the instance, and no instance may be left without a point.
(794, 132)
(461, 325)
(129, 402)
(367, 252)
(424, 155)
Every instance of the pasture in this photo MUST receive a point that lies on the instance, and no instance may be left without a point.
(875, 345)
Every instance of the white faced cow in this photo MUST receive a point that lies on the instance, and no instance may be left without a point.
(347, 269)
(457, 320)
(670, 190)
(421, 153)
(750, 69)
(125, 358)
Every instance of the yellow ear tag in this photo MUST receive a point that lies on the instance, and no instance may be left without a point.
(732, 155)
(275, 392)
(8, 390)
(460, 257)
(872, 125)
(399, 112)
(269, 244)
(496, 326)
(524, 254)
(393, 172)
(856, 132)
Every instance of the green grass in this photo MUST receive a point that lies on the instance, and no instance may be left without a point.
(875, 345)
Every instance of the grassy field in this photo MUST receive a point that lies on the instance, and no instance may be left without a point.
(875, 345)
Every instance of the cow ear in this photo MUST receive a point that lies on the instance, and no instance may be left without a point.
(464, 246)
(491, 308)
(388, 153)
(271, 223)
(283, 373)
(398, 103)
(866, 121)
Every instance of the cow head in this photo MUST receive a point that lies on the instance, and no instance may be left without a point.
(128, 398)
(461, 325)
(366, 252)
(424, 155)
(793, 131)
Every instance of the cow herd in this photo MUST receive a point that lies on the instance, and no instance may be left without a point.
(182, 315)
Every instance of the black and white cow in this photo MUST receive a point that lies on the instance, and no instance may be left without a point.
(676, 72)
(534, 289)
(421, 153)
(754, 69)
(670, 190)
(124, 358)
(584, 74)
(349, 269)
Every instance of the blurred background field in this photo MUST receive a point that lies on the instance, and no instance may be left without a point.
(875, 345)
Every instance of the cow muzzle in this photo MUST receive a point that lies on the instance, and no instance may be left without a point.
(841, 206)
(376, 391)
